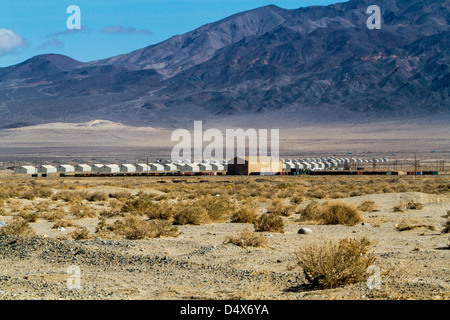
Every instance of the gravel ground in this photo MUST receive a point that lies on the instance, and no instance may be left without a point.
(199, 264)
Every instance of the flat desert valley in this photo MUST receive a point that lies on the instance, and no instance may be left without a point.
(205, 238)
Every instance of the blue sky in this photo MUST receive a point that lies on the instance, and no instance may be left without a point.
(110, 27)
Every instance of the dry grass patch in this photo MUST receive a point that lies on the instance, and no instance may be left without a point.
(70, 196)
(80, 233)
(134, 228)
(330, 265)
(245, 214)
(331, 213)
(411, 224)
(447, 223)
(247, 238)
(97, 196)
(269, 222)
(81, 210)
(368, 206)
(28, 215)
(55, 214)
(17, 226)
(219, 208)
(191, 213)
(277, 207)
(412, 205)
(64, 224)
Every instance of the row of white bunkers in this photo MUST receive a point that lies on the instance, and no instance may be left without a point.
(124, 168)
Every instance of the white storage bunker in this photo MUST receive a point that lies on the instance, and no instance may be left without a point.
(110, 168)
(65, 168)
(156, 167)
(127, 168)
(190, 167)
(25, 170)
(97, 167)
(205, 167)
(83, 168)
(170, 167)
(46, 169)
(142, 167)
(217, 167)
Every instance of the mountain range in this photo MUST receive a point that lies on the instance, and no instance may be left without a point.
(281, 67)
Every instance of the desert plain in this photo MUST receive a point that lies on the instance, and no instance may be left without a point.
(204, 237)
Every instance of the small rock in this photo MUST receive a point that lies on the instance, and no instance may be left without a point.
(305, 231)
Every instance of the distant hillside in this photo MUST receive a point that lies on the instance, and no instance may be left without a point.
(317, 64)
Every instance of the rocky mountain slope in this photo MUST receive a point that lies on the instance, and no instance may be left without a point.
(317, 64)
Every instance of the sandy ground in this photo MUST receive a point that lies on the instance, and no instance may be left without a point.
(109, 141)
(199, 264)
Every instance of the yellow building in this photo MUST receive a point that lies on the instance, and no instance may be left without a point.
(254, 166)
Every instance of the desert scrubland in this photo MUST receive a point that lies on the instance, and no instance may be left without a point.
(225, 237)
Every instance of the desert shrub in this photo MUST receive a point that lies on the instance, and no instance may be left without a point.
(36, 192)
(414, 205)
(28, 194)
(277, 207)
(17, 226)
(63, 224)
(335, 264)
(368, 206)
(114, 209)
(269, 222)
(331, 213)
(134, 228)
(80, 210)
(400, 207)
(411, 224)
(191, 214)
(312, 212)
(29, 216)
(2, 207)
(70, 196)
(317, 194)
(161, 211)
(98, 196)
(245, 214)
(247, 238)
(139, 206)
(80, 233)
(341, 213)
(356, 193)
(121, 195)
(338, 195)
(297, 199)
(447, 223)
(42, 206)
(218, 208)
(55, 214)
